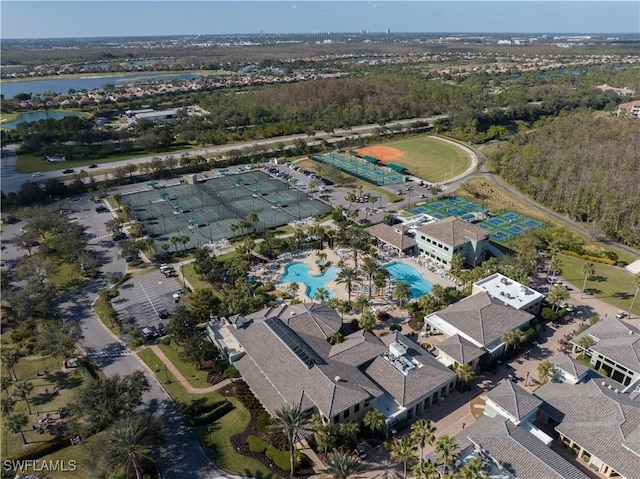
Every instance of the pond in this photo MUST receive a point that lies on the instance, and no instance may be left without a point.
(37, 116)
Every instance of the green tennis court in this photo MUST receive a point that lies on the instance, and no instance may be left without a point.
(370, 171)
(210, 210)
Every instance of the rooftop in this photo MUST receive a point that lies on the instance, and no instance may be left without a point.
(508, 291)
(387, 234)
(454, 231)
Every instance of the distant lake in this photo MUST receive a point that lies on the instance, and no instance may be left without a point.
(37, 116)
(10, 88)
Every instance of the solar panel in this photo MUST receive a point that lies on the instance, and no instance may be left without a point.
(293, 342)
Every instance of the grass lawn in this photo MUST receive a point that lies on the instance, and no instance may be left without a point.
(195, 377)
(431, 159)
(39, 399)
(102, 308)
(68, 277)
(215, 438)
(192, 277)
(610, 284)
(81, 454)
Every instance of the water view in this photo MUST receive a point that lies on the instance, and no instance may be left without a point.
(298, 272)
(37, 116)
(403, 272)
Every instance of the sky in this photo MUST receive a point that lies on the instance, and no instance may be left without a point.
(89, 18)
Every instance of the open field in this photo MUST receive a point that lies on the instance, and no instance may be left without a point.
(611, 284)
(424, 156)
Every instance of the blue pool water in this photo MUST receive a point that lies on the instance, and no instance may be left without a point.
(404, 272)
(298, 272)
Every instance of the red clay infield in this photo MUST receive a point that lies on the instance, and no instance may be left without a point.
(385, 154)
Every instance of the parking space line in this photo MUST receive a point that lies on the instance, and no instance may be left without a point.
(148, 298)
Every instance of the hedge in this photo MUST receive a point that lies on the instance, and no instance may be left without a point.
(212, 416)
(257, 445)
(282, 459)
(42, 449)
(201, 407)
(588, 257)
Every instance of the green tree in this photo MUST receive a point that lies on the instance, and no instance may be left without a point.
(23, 389)
(374, 421)
(342, 465)
(588, 270)
(465, 374)
(401, 292)
(586, 342)
(367, 321)
(15, 423)
(423, 433)
(114, 226)
(10, 358)
(370, 266)
(474, 468)
(403, 450)
(358, 241)
(202, 303)
(557, 296)
(447, 450)
(457, 263)
(426, 469)
(253, 219)
(5, 383)
(292, 423)
(321, 294)
(361, 304)
(6, 405)
(555, 265)
(131, 440)
(349, 277)
(546, 371)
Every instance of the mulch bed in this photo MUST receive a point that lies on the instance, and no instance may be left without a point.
(243, 394)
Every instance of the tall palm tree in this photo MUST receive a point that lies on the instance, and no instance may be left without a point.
(474, 468)
(380, 278)
(321, 294)
(636, 283)
(6, 405)
(341, 465)
(465, 373)
(403, 450)
(254, 219)
(374, 421)
(291, 422)
(15, 422)
(369, 267)
(367, 320)
(5, 383)
(423, 432)
(349, 277)
(555, 263)
(402, 291)
(23, 389)
(426, 469)
(447, 449)
(10, 358)
(174, 240)
(361, 304)
(557, 296)
(546, 370)
(358, 241)
(132, 439)
(588, 270)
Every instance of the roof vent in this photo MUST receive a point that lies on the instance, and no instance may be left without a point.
(337, 379)
(630, 332)
(616, 390)
(604, 383)
(610, 387)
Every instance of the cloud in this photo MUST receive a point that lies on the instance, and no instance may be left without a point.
(294, 7)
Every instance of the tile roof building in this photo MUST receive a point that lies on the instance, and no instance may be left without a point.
(442, 239)
(480, 319)
(601, 424)
(630, 109)
(387, 235)
(287, 358)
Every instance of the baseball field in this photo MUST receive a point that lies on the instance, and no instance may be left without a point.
(427, 157)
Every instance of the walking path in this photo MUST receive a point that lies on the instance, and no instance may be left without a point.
(184, 381)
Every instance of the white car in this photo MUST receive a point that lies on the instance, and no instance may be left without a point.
(37, 175)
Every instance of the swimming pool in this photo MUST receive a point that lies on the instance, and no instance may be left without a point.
(404, 272)
(298, 272)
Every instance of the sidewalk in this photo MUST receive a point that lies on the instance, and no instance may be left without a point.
(182, 380)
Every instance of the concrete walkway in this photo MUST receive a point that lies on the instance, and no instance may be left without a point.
(181, 379)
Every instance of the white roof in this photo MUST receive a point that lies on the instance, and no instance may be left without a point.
(633, 268)
(509, 291)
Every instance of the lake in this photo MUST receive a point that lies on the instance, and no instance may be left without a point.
(62, 85)
(37, 116)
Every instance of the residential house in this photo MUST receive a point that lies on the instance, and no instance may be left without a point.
(442, 239)
(510, 292)
(630, 109)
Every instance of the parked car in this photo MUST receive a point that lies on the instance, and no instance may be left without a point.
(37, 175)
(119, 237)
(162, 329)
(621, 315)
(163, 314)
(67, 171)
(361, 450)
(94, 165)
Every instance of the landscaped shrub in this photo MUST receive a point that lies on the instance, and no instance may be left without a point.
(200, 406)
(549, 314)
(279, 458)
(212, 416)
(264, 422)
(165, 341)
(395, 327)
(230, 373)
(257, 445)
(589, 257)
(135, 343)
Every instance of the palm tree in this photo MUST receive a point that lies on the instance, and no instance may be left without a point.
(291, 422)
(293, 288)
(557, 296)
(636, 283)
(465, 374)
(174, 240)
(423, 433)
(426, 469)
(349, 431)
(361, 304)
(10, 358)
(15, 422)
(132, 439)
(448, 451)
(474, 468)
(6, 405)
(125, 207)
(254, 219)
(321, 294)
(341, 465)
(369, 267)
(23, 389)
(380, 278)
(5, 383)
(367, 321)
(184, 239)
(374, 421)
(403, 450)
(358, 241)
(555, 263)
(588, 270)
(233, 227)
(586, 342)
(349, 277)
(546, 370)
(401, 291)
